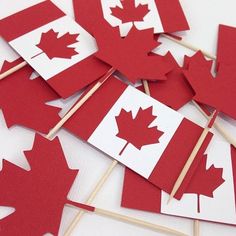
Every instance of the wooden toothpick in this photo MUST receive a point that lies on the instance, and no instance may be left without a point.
(126, 219)
(13, 70)
(80, 103)
(228, 137)
(189, 46)
(196, 228)
(193, 155)
(92, 196)
(146, 87)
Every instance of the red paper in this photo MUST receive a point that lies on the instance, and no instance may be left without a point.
(23, 101)
(226, 51)
(38, 195)
(130, 55)
(174, 92)
(219, 92)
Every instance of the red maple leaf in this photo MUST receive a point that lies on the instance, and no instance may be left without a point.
(23, 100)
(136, 130)
(55, 46)
(38, 195)
(218, 92)
(174, 92)
(129, 12)
(205, 181)
(131, 55)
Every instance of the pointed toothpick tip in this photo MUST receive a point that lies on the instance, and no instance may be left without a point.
(169, 200)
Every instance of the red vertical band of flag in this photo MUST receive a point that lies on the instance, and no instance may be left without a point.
(172, 15)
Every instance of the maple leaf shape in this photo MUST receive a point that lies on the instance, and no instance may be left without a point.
(131, 55)
(174, 92)
(38, 195)
(13, 142)
(129, 12)
(219, 92)
(136, 130)
(54, 46)
(205, 182)
(23, 100)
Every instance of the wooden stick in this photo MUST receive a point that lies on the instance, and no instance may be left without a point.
(218, 127)
(98, 187)
(196, 227)
(13, 70)
(191, 158)
(138, 222)
(80, 103)
(126, 219)
(146, 87)
(189, 46)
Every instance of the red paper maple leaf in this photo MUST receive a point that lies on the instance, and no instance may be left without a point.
(38, 195)
(23, 100)
(174, 92)
(136, 130)
(55, 46)
(205, 181)
(131, 55)
(219, 92)
(129, 12)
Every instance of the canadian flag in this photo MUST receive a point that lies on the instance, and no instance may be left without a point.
(210, 195)
(58, 48)
(161, 15)
(138, 131)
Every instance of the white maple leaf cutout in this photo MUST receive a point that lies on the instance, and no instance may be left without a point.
(13, 143)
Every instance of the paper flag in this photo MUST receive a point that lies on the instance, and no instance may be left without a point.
(162, 15)
(175, 91)
(23, 101)
(38, 195)
(210, 195)
(58, 48)
(219, 92)
(159, 132)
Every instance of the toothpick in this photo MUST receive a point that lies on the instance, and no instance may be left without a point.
(138, 222)
(228, 137)
(191, 158)
(92, 196)
(126, 219)
(189, 46)
(13, 70)
(146, 87)
(196, 227)
(80, 103)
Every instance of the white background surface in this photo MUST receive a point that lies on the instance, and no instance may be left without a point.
(204, 17)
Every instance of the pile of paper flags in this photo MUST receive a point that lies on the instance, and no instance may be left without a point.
(128, 109)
